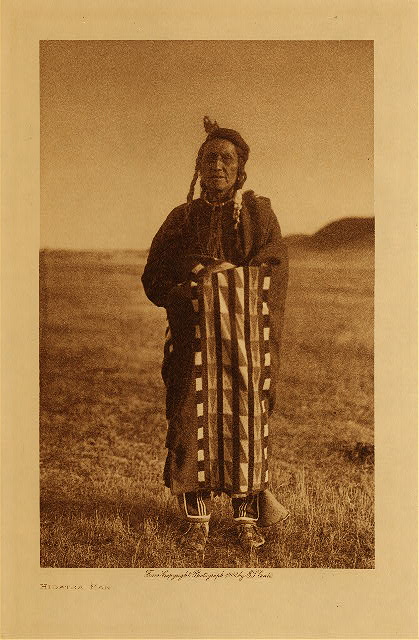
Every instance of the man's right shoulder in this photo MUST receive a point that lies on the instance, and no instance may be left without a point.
(178, 214)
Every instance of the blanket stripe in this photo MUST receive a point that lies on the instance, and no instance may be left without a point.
(251, 386)
(231, 344)
(216, 353)
(232, 377)
(267, 362)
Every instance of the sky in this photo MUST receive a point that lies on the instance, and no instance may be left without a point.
(122, 121)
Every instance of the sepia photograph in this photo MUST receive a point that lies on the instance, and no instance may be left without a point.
(209, 319)
(206, 304)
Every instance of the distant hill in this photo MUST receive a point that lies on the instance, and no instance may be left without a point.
(347, 232)
(344, 233)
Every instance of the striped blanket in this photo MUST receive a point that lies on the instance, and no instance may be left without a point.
(231, 378)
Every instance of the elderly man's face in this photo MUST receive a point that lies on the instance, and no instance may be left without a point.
(219, 167)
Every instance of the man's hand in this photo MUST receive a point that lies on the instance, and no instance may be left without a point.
(218, 266)
(181, 291)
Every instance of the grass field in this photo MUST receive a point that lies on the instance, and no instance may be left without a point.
(102, 424)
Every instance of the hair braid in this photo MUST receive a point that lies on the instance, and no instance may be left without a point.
(189, 197)
(241, 174)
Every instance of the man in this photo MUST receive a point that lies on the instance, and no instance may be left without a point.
(219, 267)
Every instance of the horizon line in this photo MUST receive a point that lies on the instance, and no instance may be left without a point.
(141, 249)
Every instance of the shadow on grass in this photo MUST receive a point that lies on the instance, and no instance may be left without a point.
(146, 507)
(121, 533)
(147, 532)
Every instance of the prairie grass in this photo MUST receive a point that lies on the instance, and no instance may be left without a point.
(102, 425)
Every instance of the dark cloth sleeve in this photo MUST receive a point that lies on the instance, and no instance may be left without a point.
(273, 251)
(161, 273)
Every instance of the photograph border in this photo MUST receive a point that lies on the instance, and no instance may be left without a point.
(305, 603)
